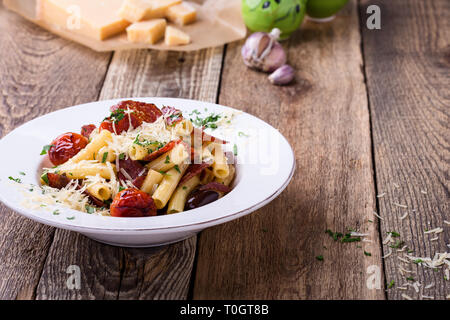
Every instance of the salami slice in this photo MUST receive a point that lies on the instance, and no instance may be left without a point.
(193, 170)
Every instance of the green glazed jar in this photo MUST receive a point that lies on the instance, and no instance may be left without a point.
(324, 10)
(264, 15)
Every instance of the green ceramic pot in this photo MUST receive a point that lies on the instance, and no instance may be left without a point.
(264, 15)
(324, 9)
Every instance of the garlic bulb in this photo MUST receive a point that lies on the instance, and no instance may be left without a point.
(262, 51)
(283, 75)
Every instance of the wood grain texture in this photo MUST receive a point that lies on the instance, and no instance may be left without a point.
(119, 273)
(271, 254)
(39, 73)
(409, 89)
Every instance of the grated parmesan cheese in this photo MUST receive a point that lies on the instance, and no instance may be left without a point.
(404, 216)
(376, 215)
(436, 230)
(405, 296)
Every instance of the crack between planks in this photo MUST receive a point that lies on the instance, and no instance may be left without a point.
(372, 144)
(219, 85)
(190, 295)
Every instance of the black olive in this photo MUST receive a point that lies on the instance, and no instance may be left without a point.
(198, 199)
(266, 5)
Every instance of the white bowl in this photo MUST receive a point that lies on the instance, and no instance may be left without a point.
(265, 165)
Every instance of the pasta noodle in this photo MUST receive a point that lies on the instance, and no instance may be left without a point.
(207, 176)
(184, 128)
(167, 186)
(100, 190)
(152, 179)
(137, 152)
(178, 199)
(89, 152)
(220, 166)
(105, 154)
(84, 169)
(169, 159)
(227, 180)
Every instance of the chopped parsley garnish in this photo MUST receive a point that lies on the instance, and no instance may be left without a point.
(167, 159)
(241, 134)
(334, 235)
(235, 150)
(348, 238)
(391, 284)
(208, 122)
(146, 143)
(367, 253)
(22, 173)
(184, 187)
(45, 178)
(410, 278)
(194, 111)
(121, 156)
(70, 218)
(320, 258)
(394, 234)
(56, 212)
(121, 188)
(15, 179)
(177, 168)
(417, 261)
(90, 209)
(164, 173)
(46, 148)
(397, 244)
(105, 156)
(116, 115)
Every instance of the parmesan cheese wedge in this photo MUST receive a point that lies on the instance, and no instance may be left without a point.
(135, 10)
(159, 8)
(176, 37)
(181, 14)
(95, 19)
(147, 31)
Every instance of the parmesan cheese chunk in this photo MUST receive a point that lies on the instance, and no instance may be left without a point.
(160, 7)
(181, 14)
(135, 10)
(176, 37)
(147, 31)
(95, 19)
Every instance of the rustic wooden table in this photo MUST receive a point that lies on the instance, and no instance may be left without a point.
(368, 119)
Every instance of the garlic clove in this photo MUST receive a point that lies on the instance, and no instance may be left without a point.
(283, 75)
(275, 59)
(261, 51)
(254, 47)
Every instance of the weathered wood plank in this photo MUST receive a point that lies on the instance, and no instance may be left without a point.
(39, 73)
(156, 273)
(271, 254)
(407, 64)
